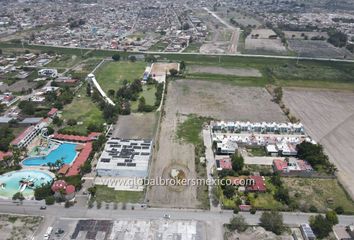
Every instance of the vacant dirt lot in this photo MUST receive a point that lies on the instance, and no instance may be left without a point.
(136, 125)
(162, 68)
(224, 101)
(274, 45)
(328, 117)
(220, 101)
(241, 72)
(312, 48)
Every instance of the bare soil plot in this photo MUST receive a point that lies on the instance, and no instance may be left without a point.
(136, 125)
(274, 45)
(312, 48)
(18, 227)
(17, 86)
(224, 101)
(241, 72)
(162, 68)
(328, 116)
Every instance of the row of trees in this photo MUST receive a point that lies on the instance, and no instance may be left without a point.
(314, 154)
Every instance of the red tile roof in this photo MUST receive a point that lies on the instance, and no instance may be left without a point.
(5, 154)
(279, 164)
(259, 184)
(225, 163)
(52, 112)
(75, 138)
(80, 160)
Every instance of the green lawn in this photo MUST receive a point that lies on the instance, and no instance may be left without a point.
(321, 193)
(83, 110)
(265, 201)
(148, 93)
(257, 151)
(193, 48)
(106, 194)
(111, 74)
(158, 47)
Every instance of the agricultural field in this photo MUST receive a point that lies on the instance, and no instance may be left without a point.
(320, 49)
(241, 18)
(112, 74)
(328, 117)
(18, 227)
(321, 193)
(240, 72)
(136, 125)
(83, 110)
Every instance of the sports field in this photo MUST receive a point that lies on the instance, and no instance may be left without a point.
(112, 74)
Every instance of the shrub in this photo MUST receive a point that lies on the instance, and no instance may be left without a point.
(49, 200)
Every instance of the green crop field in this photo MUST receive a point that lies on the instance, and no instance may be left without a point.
(112, 74)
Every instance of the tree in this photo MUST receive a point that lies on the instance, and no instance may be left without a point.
(57, 121)
(50, 130)
(111, 92)
(173, 72)
(229, 191)
(132, 58)
(0, 51)
(141, 104)
(43, 191)
(88, 90)
(71, 122)
(116, 57)
(86, 168)
(332, 217)
(272, 221)
(18, 196)
(50, 200)
(238, 223)
(282, 195)
(320, 226)
(237, 162)
(182, 65)
(339, 210)
(278, 94)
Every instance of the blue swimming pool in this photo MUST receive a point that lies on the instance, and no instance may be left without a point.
(65, 152)
(24, 181)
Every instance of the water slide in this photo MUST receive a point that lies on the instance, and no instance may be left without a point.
(92, 78)
(22, 187)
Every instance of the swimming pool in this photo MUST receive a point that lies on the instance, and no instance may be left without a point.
(65, 152)
(13, 182)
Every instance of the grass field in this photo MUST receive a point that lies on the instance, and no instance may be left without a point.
(148, 93)
(321, 193)
(190, 130)
(106, 194)
(83, 110)
(158, 47)
(111, 74)
(193, 48)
